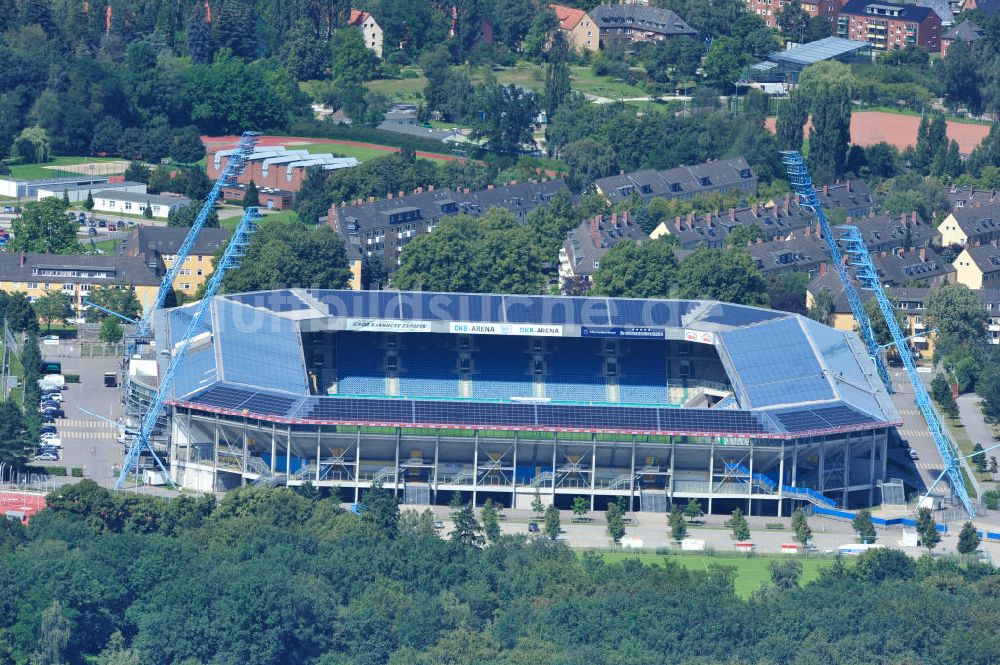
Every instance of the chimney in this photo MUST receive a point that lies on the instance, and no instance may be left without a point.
(822, 268)
(24, 258)
(753, 209)
(430, 188)
(902, 218)
(708, 219)
(826, 190)
(489, 187)
(808, 231)
(418, 190)
(466, 190)
(848, 219)
(625, 218)
(402, 194)
(614, 219)
(760, 241)
(513, 182)
(732, 214)
(913, 216)
(954, 188)
(788, 201)
(371, 199)
(690, 219)
(849, 189)
(819, 230)
(677, 222)
(923, 254)
(388, 196)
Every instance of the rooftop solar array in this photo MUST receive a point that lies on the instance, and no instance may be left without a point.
(776, 364)
(736, 315)
(276, 301)
(258, 348)
(506, 309)
(516, 415)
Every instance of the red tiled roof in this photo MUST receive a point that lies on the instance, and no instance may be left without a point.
(568, 16)
(358, 17)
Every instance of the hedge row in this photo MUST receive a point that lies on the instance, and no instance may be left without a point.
(329, 130)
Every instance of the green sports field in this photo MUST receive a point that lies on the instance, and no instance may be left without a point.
(751, 572)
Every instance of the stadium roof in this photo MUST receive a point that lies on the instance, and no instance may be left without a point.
(813, 52)
(791, 376)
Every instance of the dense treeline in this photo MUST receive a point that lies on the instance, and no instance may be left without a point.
(273, 576)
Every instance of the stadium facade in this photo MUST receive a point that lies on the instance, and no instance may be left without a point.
(503, 397)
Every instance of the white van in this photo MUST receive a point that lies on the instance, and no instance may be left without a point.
(50, 381)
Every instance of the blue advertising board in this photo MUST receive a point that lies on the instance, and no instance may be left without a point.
(635, 333)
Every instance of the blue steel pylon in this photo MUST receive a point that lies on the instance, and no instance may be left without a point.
(867, 276)
(799, 178)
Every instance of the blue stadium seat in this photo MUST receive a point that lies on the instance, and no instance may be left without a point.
(427, 368)
(500, 368)
(359, 364)
(642, 369)
(575, 372)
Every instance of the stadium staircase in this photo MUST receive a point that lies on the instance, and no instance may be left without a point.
(653, 501)
(385, 474)
(621, 482)
(741, 474)
(810, 495)
(417, 494)
(544, 478)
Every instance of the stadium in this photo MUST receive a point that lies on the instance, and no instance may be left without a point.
(505, 397)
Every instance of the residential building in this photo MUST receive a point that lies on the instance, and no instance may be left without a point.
(384, 227)
(966, 31)
(277, 167)
(157, 246)
(978, 266)
(987, 7)
(577, 27)
(581, 253)
(131, 203)
(710, 230)
(803, 252)
(888, 233)
(371, 31)
(853, 197)
(78, 193)
(890, 26)
(909, 267)
(960, 197)
(768, 10)
(975, 224)
(683, 182)
(267, 197)
(629, 24)
(76, 275)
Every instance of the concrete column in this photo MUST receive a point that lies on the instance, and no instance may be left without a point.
(871, 475)
(475, 468)
(288, 454)
(215, 456)
(357, 469)
(593, 469)
(513, 476)
(243, 476)
(434, 479)
(673, 454)
(191, 438)
(555, 447)
(319, 452)
(847, 470)
(885, 453)
(631, 480)
(822, 466)
(711, 475)
(274, 446)
(395, 484)
(781, 479)
(750, 482)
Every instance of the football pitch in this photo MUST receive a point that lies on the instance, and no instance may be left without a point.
(751, 572)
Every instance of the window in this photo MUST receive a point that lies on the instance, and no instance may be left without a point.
(185, 286)
(611, 367)
(128, 205)
(32, 285)
(464, 342)
(537, 366)
(392, 362)
(391, 340)
(464, 364)
(200, 272)
(536, 345)
(610, 347)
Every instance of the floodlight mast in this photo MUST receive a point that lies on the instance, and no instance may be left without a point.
(235, 251)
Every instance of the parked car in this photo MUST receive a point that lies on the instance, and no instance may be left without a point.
(82, 217)
(532, 527)
(55, 412)
(904, 444)
(112, 227)
(47, 457)
(8, 209)
(102, 223)
(46, 418)
(913, 454)
(92, 231)
(55, 397)
(439, 524)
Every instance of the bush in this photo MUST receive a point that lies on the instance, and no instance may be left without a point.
(56, 470)
(992, 499)
(72, 378)
(77, 472)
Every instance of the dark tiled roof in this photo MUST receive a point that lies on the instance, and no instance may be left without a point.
(966, 31)
(593, 239)
(975, 220)
(121, 270)
(888, 232)
(796, 254)
(680, 181)
(905, 12)
(168, 239)
(640, 17)
(920, 265)
(519, 198)
(988, 7)
(849, 195)
(969, 196)
(710, 230)
(986, 257)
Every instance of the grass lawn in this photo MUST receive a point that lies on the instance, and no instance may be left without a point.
(751, 572)
(37, 171)
(361, 153)
(110, 247)
(583, 79)
(400, 90)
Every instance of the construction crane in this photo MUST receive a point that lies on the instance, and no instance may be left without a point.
(235, 251)
(867, 276)
(799, 178)
(234, 167)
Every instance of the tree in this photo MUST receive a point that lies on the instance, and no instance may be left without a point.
(963, 83)
(616, 521)
(89, 202)
(455, 502)
(15, 438)
(822, 306)
(581, 506)
(251, 197)
(678, 525)
(504, 116)
(830, 134)
(490, 254)
(932, 139)
(692, 511)
(958, 314)
(968, 539)
(511, 21)
(147, 211)
(32, 146)
(351, 62)
(137, 172)
(467, 530)
(123, 301)
(381, 510)
(491, 521)
(53, 306)
(785, 574)
(53, 636)
(587, 160)
(537, 505)
(187, 215)
(942, 393)
(741, 236)
(879, 325)
(186, 146)
(792, 116)
(927, 529)
(65, 198)
(827, 75)
(544, 25)
(727, 275)
(800, 525)
(44, 228)
(737, 523)
(978, 458)
(233, 29)
(793, 20)
(724, 62)
(557, 86)
(111, 331)
(118, 653)
(863, 526)
(638, 270)
(21, 316)
(306, 54)
(199, 36)
(552, 527)
(989, 389)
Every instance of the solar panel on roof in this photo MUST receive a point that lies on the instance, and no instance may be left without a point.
(590, 311)
(821, 418)
(735, 315)
(224, 397)
(276, 301)
(522, 309)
